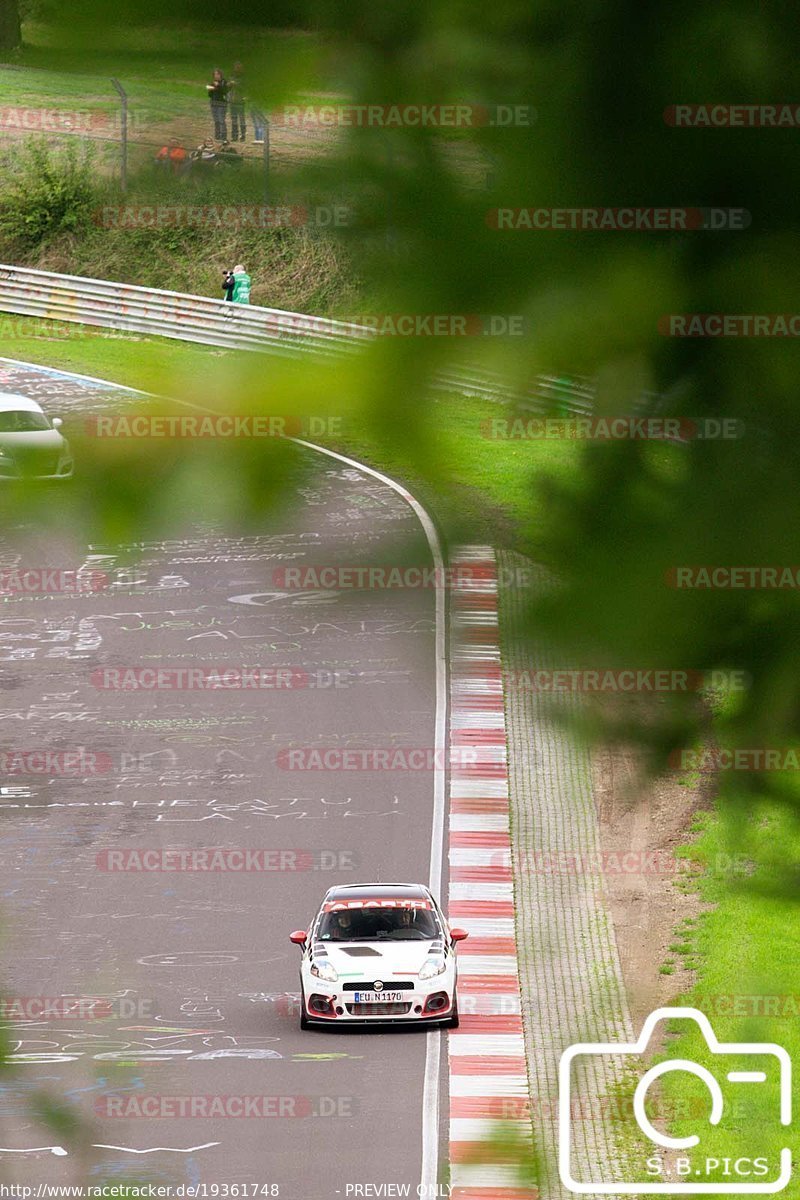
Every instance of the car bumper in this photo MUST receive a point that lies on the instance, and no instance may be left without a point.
(33, 478)
(330, 1005)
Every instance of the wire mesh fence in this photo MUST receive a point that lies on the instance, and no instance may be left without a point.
(266, 141)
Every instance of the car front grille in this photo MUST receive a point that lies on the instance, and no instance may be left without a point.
(37, 462)
(395, 1009)
(367, 985)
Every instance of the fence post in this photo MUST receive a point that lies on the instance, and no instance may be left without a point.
(266, 159)
(261, 122)
(391, 232)
(123, 172)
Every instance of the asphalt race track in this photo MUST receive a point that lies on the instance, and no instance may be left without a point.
(196, 975)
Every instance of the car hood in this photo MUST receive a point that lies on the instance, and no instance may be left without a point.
(376, 960)
(36, 439)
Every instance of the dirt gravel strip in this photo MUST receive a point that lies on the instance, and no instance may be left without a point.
(570, 974)
(489, 1104)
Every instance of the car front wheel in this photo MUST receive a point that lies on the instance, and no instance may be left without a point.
(453, 1021)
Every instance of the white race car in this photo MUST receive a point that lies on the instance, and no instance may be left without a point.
(31, 446)
(378, 952)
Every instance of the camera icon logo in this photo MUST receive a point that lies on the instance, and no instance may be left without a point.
(688, 1174)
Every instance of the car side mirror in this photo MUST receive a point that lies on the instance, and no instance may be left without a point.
(56, 422)
(299, 937)
(458, 935)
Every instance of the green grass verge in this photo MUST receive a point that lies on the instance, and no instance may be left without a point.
(139, 362)
(476, 487)
(164, 69)
(746, 949)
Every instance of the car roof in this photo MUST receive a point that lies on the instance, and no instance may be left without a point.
(13, 402)
(378, 891)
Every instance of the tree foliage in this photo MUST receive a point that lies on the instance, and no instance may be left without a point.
(10, 28)
(599, 77)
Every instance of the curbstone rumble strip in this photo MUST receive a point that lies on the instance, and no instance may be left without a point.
(490, 1143)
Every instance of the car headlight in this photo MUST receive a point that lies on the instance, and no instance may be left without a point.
(323, 970)
(432, 967)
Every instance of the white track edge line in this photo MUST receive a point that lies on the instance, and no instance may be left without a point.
(433, 1049)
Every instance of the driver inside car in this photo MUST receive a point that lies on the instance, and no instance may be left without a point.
(412, 919)
(343, 927)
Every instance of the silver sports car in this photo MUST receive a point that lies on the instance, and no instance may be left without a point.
(31, 444)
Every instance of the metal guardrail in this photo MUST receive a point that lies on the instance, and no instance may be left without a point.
(127, 308)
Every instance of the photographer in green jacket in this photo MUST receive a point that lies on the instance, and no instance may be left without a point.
(241, 285)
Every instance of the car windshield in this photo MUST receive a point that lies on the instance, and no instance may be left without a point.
(378, 924)
(22, 421)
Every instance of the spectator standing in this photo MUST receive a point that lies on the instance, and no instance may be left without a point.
(241, 285)
(236, 103)
(218, 95)
(228, 284)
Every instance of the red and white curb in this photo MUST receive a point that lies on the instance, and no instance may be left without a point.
(488, 1070)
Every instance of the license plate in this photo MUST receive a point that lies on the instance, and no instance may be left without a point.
(377, 997)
